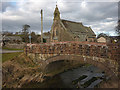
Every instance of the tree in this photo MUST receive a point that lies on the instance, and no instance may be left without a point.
(16, 33)
(25, 33)
(26, 27)
(38, 39)
(118, 28)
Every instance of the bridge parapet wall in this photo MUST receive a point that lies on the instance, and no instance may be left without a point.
(107, 54)
(111, 51)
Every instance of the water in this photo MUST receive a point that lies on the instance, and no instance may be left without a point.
(69, 79)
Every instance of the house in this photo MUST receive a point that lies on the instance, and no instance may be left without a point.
(65, 30)
(12, 39)
(102, 39)
(13, 42)
(46, 37)
(108, 39)
(114, 39)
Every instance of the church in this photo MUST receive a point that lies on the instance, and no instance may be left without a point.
(64, 30)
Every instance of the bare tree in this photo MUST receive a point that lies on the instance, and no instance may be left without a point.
(25, 28)
(25, 32)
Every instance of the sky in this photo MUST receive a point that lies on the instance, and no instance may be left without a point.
(100, 15)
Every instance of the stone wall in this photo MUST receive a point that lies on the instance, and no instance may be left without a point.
(107, 54)
(101, 50)
(16, 46)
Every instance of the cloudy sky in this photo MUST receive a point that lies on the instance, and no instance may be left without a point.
(101, 16)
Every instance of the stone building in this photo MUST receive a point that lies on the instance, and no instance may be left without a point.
(46, 37)
(12, 39)
(64, 30)
(108, 39)
(13, 42)
(102, 39)
(114, 39)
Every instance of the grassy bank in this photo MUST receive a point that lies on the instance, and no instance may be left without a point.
(9, 56)
(20, 68)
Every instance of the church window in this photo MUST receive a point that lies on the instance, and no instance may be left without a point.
(55, 14)
(56, 32)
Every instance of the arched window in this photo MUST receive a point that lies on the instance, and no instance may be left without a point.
(57, 32)
(55, 14)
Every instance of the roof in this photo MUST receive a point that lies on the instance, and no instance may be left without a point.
(77, 28)
(115, 37)
(103, 35)
(12, 38)
(90, 31)
(108, 37)
(46, 35)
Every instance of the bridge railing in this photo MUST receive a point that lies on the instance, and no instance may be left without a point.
(102, 50)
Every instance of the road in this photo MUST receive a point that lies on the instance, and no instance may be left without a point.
(9, 51)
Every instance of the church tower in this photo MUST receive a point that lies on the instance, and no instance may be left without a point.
(55, 32)
(56, 14)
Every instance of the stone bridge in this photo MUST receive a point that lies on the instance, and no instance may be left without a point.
(104, 56)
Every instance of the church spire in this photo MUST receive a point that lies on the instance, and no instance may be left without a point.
(56, 13)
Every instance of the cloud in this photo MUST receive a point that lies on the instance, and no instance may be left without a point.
(6, 5)
(101, 16)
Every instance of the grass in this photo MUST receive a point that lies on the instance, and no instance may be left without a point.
(87, 65)
(9, 56)
(6, 48)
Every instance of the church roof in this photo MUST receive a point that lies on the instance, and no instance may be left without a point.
(90, 31)
(77, 28)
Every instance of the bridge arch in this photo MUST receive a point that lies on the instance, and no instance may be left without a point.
(104, 56)
(101, 63)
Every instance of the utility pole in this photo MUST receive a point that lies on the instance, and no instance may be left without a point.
(41, 26)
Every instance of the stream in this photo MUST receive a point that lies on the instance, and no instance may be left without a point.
(81, 77)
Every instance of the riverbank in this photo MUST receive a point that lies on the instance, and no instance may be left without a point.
(21, 70)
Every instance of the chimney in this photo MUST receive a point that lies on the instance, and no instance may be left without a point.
(41, 26)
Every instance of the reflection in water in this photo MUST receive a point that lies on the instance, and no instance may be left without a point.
(81, 77)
